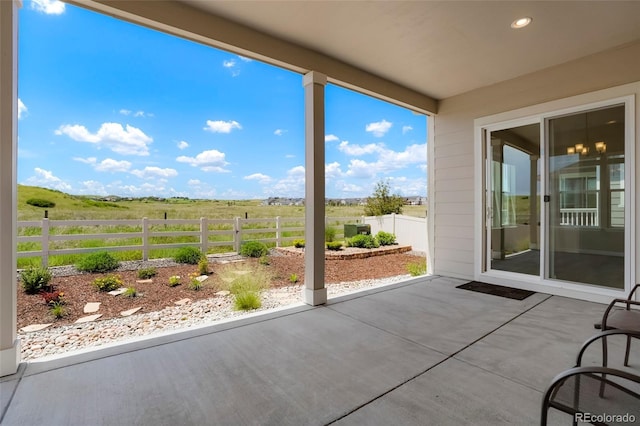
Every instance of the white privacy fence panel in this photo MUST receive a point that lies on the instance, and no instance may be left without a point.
(409, 230)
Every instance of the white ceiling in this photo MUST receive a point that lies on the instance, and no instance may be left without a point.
(441, 48)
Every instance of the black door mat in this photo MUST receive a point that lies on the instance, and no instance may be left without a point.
(497, 290)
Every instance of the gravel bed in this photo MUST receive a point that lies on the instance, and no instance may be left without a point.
(73, 337)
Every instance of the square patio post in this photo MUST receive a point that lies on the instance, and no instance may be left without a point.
(315, 292)
(9, 344)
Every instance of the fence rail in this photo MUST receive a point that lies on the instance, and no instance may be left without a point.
(146, 234)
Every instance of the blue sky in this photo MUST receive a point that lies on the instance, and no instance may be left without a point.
(111, 108)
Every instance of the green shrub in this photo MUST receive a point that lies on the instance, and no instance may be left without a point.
(417, 268)
(329, 234)
(203, 266)
(334, 245)
(293, 278)
(264, 260)
(189, 255)
(130, 292)
(385, 238)
(363, 241)
(247, 300)
(174, 280)
(254, 249)
(57, 310)
(298, 243)
(101, 261)
(146, 273)
(39, 202)
(108, 283)
(35, 278)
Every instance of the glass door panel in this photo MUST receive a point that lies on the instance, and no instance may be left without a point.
(514, 182)
(586, 205)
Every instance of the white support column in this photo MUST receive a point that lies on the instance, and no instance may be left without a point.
(315, 292)
(9, 344)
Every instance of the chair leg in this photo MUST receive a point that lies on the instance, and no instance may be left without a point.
(604, 364)
(626, 355)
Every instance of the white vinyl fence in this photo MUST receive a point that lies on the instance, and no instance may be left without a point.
(409, 230)
(44, 238)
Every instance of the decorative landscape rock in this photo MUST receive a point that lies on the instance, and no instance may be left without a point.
(88, 319)
(35, 327)
(91, 307)
(223, 293)
(130, 312)
(182, 302)
(147, 281)
(118, 291)
(201, 278)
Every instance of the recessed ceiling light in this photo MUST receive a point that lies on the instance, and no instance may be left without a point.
(521, 22)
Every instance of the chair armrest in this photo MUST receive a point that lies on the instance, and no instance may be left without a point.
(633, 290)
(549, 398)
(603, 335)
(611, 306)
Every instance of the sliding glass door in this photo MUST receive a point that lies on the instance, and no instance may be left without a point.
(586, 197)
(514, 177)
(556, 198)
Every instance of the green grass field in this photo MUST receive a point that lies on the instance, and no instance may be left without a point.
(70, 207)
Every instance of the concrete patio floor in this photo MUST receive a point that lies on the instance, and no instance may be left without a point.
(417, 353)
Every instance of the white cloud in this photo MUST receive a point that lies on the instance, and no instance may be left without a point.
(290, 156)
(332, 170)
(229, 63)
(208, 161)
(406, 129)
(183, 145)
(50, 7)
(93, 187)
(413, 154)
(89, 160)
(279, 132)
(136, 113)
(379, 128)
(153, 172)
(259, 177)
(22, 109)
(194, 182)
(220, 126)
(106, 165)
(245, 59)
(356, 150)
(331, 138)
(125, 141)
(290, 186)
(362, 169)
(46, 179)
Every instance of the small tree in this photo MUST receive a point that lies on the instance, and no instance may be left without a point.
(382, 202)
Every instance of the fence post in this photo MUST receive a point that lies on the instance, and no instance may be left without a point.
(145, 238)
(237, 237)
(393, 223)
(277, 231)
(204, 235)
(45, 243)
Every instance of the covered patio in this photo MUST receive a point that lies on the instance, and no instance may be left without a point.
(421, 352)
(418, 352)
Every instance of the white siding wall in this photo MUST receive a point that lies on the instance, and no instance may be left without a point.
(453, 206)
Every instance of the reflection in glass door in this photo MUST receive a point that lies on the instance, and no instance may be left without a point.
(587, 204)
(514, 181)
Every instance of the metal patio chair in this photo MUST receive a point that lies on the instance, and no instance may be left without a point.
(621, 314)
(595, 394)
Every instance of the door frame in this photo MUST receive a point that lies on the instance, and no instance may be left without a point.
(541, 113)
